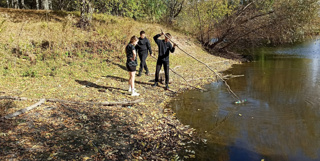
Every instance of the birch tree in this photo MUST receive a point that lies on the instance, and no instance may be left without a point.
(37, 4)
(45, 4)
(23, 4)
(15, 4)
(50, 4)
(86, 12)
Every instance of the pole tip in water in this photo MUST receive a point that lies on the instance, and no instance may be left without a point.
(240, 101)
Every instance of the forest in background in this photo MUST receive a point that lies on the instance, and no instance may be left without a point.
(217, 24)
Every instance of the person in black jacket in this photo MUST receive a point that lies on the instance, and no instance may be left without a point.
(165, 47)
(143, 47)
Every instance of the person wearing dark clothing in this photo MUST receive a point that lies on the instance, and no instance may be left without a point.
(132, 63)
(165, 47)
(143, 47)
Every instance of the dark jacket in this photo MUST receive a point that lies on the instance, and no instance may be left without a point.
(129, 52)
(143, 45)
(164, 48)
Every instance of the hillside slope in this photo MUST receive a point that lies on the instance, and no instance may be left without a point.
(44, 55)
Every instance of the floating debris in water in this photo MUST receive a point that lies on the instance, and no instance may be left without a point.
(240, 101)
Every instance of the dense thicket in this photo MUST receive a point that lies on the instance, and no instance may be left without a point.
(250, 21)
(218, 24)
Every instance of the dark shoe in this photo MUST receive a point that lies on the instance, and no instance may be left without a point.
(155, 84)
(167, 87)
(139, 74)
(147, 73)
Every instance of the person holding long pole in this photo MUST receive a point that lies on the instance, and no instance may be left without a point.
(165, 47)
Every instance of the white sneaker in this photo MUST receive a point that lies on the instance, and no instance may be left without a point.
(134, 93)
(129, 89)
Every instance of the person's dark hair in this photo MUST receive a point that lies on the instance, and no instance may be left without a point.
(169, 35)
(142, 32)
(133, 39)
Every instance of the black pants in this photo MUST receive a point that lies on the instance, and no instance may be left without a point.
(143, 56)
(166, 70)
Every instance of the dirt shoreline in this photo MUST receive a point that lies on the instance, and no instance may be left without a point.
(143, 131)
(65, 131)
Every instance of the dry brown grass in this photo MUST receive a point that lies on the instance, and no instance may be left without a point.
(52, 58)
(55, 53)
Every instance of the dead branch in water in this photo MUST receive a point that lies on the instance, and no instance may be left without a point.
(229, 76)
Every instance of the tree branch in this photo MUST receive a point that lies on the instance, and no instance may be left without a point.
(25, 109)
(77, 102)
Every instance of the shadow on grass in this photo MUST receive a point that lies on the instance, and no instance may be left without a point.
(119, 65)
(99, 87)
(126, 80)
(69, 132)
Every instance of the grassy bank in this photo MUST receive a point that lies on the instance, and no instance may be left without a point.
(44, 55)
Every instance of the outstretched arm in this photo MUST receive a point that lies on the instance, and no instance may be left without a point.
(155, 38)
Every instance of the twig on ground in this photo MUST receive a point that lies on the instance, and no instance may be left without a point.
(77, 102)
(97, 103)
(25, 109)
(13, 98)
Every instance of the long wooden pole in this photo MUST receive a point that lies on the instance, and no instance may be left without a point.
(229, 88)
(180, 76)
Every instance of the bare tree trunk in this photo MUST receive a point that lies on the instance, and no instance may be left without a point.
(200, 23)
(50, 4)
(23, 5)
(86, 14)
(15, 4)
(37, 4)
(175, 7)
(45, 4)
(8, 4)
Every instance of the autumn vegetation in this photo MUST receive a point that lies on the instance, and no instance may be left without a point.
(46, 55)
(74, 51)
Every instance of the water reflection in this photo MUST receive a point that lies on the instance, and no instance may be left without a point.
(281, 119)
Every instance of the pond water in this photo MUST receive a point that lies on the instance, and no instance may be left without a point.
(280, 120)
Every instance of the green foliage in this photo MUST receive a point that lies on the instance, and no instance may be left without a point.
(280, 21)
(153, 9)
(139, 9)
(199, 17)
(29, 73)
